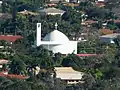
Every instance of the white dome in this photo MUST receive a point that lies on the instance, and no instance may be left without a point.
(56, 36)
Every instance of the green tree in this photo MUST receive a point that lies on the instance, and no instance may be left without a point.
(57, 59)
(4, 83)
(17, 66)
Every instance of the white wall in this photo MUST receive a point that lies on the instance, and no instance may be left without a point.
(55, 14)
(38, 34)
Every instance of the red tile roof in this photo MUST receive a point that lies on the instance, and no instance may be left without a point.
(105, 31)
(86, 55)
(10, 38)
(90, 21)
(51, 4)
(100, 4)
(13, 76)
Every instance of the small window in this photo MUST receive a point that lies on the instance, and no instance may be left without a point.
(77, 80)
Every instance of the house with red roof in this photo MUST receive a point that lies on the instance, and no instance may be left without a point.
(100, 4)
(10, 38)
(88, 22)
(86, 55)
(13, 76)
(105, 31)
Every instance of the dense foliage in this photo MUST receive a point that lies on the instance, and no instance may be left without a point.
(102, 72)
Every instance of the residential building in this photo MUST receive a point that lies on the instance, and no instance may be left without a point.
(105, 31)
(86, 55)
(10, 38)
(100, 3)
(109, 38)
(71, 4)
(26, 12)
(52, 11)
(69, 75)
(51, 4)
(13, 76)
(88, 22)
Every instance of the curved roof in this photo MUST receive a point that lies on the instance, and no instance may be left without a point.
(56, 36)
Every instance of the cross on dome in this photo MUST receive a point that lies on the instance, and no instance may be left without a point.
(56, 25)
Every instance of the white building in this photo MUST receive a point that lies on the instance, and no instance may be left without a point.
(69, 75)
(56, 41)
(52, 11)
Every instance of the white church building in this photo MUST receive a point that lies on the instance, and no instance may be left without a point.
(56, 41)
